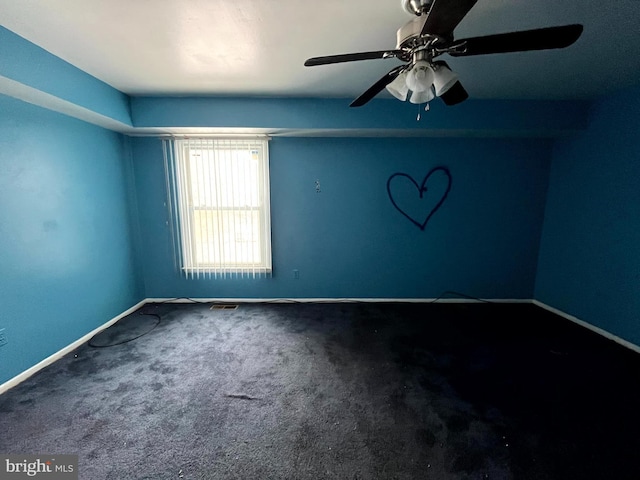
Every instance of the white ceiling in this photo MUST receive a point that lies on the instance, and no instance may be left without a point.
(257, 47)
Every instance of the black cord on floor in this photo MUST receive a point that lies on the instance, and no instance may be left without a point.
(93, 345)
(442, 296)
(462, 295)
(173, 300)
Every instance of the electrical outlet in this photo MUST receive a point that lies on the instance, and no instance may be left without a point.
(296, 274)
(3, 337)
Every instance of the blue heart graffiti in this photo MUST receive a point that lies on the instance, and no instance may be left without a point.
(422, 189)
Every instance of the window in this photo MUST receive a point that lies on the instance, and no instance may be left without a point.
(219, 202)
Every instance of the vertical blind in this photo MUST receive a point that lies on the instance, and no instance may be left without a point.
(218, 197)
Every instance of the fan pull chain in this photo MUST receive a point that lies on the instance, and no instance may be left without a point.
(426, 109)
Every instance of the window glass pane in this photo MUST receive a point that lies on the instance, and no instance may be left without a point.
(227, 178)
(228, 237)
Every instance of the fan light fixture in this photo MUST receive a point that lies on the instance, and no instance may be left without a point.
(422, 82)
(443, 79)
(398, 88)
(420, 77)
(422, 97)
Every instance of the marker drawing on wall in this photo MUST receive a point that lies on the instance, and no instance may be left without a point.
(419, 201)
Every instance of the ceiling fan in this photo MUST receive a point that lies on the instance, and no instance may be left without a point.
(430, 35)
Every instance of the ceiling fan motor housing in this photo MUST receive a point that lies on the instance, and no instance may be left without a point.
(416, 7)
(409, 32)
(410, 36)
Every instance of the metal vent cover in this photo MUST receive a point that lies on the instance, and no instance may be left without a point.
(223, 306)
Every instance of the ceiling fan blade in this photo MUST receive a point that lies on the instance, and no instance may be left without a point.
(454, 95)
(445, 15)
(377, 87)
(526, 40)
(351, 57)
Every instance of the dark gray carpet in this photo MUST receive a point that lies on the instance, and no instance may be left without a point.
(337, 391)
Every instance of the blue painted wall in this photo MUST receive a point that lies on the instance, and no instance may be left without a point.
(589, 261)
(349, 241)
(66, 251)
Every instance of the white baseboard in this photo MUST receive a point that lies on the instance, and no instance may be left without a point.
(337, 300)
(61, 353)
(593, 328)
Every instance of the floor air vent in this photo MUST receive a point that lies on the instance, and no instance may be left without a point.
(223, 306)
